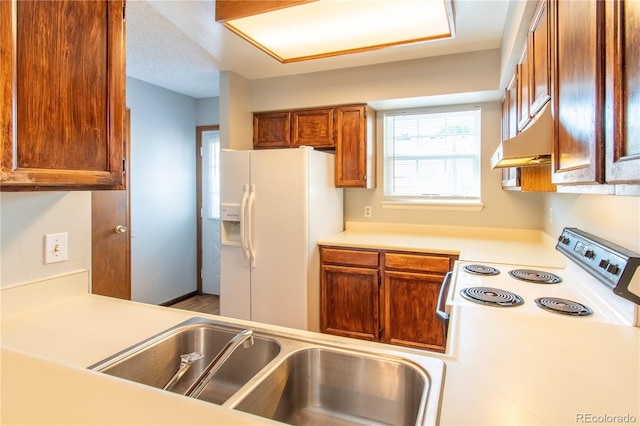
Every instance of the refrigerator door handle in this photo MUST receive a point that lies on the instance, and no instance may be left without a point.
(252, 198)
(243, 221)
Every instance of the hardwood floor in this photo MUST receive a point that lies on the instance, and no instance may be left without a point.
(205, 303)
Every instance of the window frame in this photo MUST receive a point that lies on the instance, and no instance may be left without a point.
(429, 202)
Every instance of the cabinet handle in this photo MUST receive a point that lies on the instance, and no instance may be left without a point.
(119, 229)
(440, 313)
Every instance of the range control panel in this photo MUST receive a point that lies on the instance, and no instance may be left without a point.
(611, 264)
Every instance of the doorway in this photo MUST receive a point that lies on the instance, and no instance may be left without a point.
(208, 206)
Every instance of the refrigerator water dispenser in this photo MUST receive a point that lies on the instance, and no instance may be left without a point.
(230, 220)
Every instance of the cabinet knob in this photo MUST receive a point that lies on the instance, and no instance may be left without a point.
(119, 229)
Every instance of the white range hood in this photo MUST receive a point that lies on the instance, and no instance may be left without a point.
(531, 147)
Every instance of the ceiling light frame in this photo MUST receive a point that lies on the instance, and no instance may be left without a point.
(229, 12)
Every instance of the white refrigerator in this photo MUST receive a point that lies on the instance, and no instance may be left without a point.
(275, 206)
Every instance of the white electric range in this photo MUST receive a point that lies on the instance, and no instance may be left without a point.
(594, 286)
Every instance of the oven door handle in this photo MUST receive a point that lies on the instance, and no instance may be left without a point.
(444, 289)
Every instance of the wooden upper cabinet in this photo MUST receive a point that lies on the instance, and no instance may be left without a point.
(522, 84)
(313, 128)
(578, 91)
(62, 84)
(623, 92)
(272, 130)
(355, 163)
(291, 129)
(538, 53)
(510, 175)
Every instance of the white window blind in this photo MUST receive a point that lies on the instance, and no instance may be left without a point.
(212, 174)
(432, 156)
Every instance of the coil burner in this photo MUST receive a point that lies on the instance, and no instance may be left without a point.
(480, 270)
(533, 276)
(563, 306)
(491, 296)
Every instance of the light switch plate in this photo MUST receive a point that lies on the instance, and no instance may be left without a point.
(55, 247)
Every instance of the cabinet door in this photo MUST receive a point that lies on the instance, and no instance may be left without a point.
(349, 301)
(522, 72)
(410, 310)
(354, 148)
(623, 92)
(578, 91)
(539, 85)
(511, 175)
(63, 94)
(313, 128)
(271, 130)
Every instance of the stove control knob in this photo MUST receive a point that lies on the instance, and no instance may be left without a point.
(589, 254)
(563, 239)
(603, 263)
(613, 269)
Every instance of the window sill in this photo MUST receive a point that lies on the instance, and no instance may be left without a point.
(460, 206)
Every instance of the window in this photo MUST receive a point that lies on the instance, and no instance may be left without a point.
(432, 157)
(211, 174)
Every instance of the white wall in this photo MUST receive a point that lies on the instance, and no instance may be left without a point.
(467, 73)
(207, 111)
(236, 119)
(163, 193)
(24, 220)
(613, 218)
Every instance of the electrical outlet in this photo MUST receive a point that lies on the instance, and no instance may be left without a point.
(55, 248)
(367, 211)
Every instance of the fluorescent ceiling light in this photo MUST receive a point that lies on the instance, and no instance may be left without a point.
(322, 28)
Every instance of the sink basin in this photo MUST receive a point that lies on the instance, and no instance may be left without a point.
(289, 376)
(325, 386)
(154, 361)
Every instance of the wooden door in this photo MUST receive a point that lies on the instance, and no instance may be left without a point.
(349, 301)
(623, 92)
(62, 83)
(578, 91)
(111, 244)
(410, 318)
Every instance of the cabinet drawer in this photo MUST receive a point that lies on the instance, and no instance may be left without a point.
(350, 257)
(417, 262)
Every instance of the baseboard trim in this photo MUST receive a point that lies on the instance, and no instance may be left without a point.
(179, 299)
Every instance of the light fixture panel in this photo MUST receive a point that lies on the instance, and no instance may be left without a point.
(334, 27)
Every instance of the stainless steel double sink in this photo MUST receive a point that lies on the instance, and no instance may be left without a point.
(289, 378)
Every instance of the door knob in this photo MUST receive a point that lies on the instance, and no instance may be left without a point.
(120, 229)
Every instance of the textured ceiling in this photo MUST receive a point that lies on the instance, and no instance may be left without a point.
(159, 53)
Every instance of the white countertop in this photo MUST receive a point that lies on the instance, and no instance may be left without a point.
(494, 374)
(513, 246)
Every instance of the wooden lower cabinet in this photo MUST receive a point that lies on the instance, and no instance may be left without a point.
(350, 301)
(410, 310)
(385, 296)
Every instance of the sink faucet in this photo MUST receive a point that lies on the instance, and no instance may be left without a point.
(244, 338)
